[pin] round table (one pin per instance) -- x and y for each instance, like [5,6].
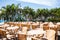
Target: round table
[33,33]
[12,29]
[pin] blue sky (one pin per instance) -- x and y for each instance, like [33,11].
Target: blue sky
[32,3]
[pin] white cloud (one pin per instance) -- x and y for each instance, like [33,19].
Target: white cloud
[43,2]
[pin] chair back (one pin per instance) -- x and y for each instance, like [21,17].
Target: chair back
[50,34]
[24,30]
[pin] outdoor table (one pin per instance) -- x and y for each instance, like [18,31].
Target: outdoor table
[34,33]
[58,23]
[12,29]
[1,26]
[5,26]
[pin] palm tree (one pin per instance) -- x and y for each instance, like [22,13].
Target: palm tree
[10,12]
[28,12]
